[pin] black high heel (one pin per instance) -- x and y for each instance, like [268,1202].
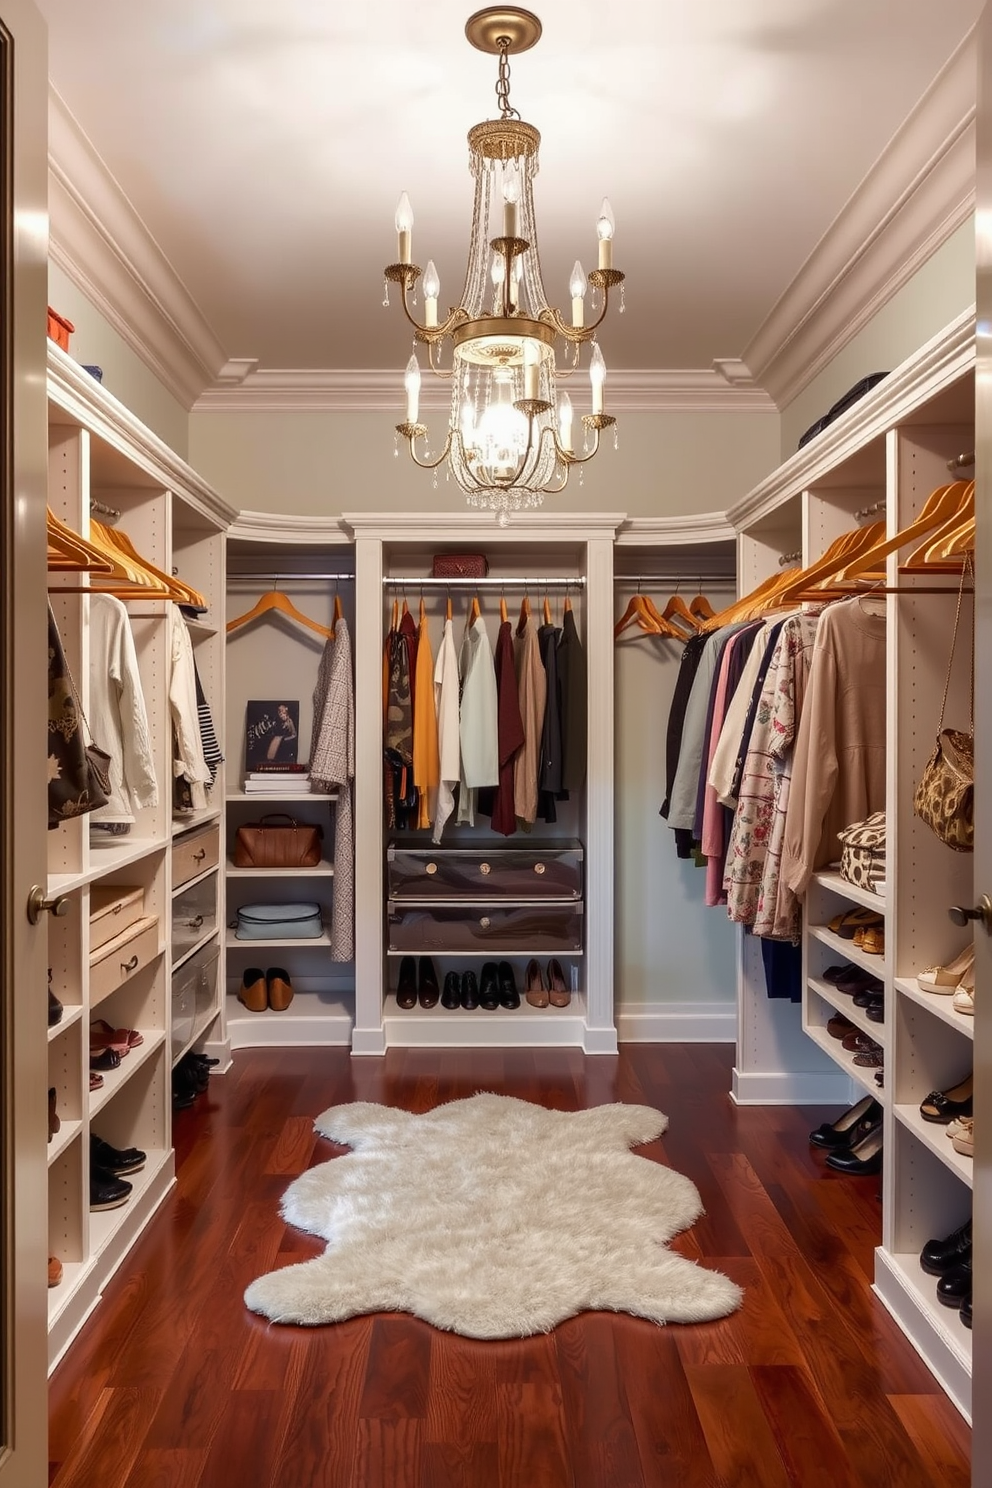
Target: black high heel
[843,1131]
[864,1157]
[406,989]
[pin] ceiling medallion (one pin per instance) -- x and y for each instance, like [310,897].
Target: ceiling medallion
[510,435]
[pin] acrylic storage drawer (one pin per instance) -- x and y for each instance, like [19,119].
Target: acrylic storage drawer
[194,996]
[539,871]
[121,957]
[113,909]
[194,915]
[194,854]
[484,929]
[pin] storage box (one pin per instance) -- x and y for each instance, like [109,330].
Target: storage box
[194,915]
[485,929]
[113,909]
[540,871]
[59,329]
[120,958]
[194,996]
[195,853]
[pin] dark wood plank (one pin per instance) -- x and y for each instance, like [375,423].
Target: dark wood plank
[173,1382]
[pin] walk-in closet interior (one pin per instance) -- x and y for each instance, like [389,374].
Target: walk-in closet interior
[359,766]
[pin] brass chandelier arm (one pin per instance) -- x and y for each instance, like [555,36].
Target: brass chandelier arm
[406,276]
[411,433]
[579,334]
[595,422]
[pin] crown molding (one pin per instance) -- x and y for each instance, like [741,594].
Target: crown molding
[457,527]
[280,527]
[705,527]
[101,244]
[374,390]
[88,403]
[918,192]
[942,361]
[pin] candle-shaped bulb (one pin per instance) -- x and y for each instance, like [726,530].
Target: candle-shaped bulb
[565,421]
[597,376]
[511,197]
[411,381]
[532,369]
[404,229]
[432,288]
[605,228]
[577,286]
[498,271]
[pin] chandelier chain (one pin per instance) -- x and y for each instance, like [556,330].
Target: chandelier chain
[506,109]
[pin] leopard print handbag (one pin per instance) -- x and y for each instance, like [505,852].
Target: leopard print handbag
[862,858]
[945,795]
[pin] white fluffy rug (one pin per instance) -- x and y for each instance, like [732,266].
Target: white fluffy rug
[494,1218]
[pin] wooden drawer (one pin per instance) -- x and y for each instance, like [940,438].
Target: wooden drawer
[113,909]
[194,854]
[485,929]
[121,957]
[540,871]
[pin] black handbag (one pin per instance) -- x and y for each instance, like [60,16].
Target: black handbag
[79,772]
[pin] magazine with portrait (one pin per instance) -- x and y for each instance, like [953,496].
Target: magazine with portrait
[271,734]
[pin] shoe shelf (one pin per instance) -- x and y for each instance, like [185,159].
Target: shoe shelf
[324,869]
[314,943]
[197,945]
[937,1331]
[66,1133]
[183,824]
[71,1014]
[74,1273]
[847,950]
[501,953]
[844,1060]
[106,1223]
[271,803]
[832,881]
[114,1080]
[938,1005]
[841,1003]
[201,1023]
[522,1027]
[321,1019]
[934,1136]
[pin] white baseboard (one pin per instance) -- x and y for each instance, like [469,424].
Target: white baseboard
[677,1022]
[794,1088]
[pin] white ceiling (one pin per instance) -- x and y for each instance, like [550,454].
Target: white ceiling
[264,147]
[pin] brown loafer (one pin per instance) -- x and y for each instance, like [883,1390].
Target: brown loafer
[280,989]
[253,992]
[54,1271]
[534,988]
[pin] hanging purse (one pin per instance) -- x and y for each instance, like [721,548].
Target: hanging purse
[78,772]
[945,796]
[277,841]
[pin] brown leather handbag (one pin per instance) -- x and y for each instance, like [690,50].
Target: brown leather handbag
[278,841]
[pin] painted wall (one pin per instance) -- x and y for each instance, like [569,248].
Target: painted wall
[95,343]
[324,463]
[937,293]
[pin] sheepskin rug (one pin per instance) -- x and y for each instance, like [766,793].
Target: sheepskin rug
[494,1218]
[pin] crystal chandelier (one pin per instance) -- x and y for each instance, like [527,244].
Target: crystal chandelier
[510,436]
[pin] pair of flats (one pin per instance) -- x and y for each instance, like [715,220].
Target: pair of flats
[265,989]
[866,927]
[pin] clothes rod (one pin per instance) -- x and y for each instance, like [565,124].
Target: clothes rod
[105,511]
[681,580]
[279,578]
[411,581]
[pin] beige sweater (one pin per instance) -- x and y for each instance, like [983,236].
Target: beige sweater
[838,772]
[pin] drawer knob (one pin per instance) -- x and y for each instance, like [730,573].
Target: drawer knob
[127,966]
[485,868]
[431,869]
[538,867]
[485,922]
[198,857]
[195,922]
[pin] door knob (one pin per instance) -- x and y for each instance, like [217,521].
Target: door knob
[38,902]
[982,911]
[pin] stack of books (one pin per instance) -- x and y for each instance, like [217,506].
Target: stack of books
[278,780]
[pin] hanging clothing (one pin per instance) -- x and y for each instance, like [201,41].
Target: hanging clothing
[682,801]
[688,666]
[408,631]
[509,732]
[532,688]
[838,773]
[446,687]
[117,711]
[549,769]
[208,736]
[478,718]
[425,743]
[332,767]
[398,759]
[732,744]
[189,764]
[574,704]
[729,666]
[69,784]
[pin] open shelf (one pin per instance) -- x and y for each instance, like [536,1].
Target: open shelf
[105,1223]
[319,1018]
[934,1135]
[939,1005]
[66,1133]
[324,869]
[282,796]
[313,943]
[843,1004]
[200,1025]
[937,1331]
[72,1012]
[847,950]
[116,1079]
[844,1061]
[183,824]
[106,859]
[829,878]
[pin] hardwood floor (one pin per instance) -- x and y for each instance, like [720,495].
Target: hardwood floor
[174,1384]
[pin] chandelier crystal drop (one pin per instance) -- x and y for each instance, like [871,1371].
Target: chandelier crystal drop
[510,437]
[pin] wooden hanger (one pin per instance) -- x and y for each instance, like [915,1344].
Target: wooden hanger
[637,611]
[568,601]
[423,610]
[447,608]
[116,575]
[114,537]
[701,608]
[396,615]
[822,575]
[547,610]
[935,551]
[677,609]
[474,611]
[338,612]
[69,553]
[524,615]
[502,609]
[274,599]
[939,507]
